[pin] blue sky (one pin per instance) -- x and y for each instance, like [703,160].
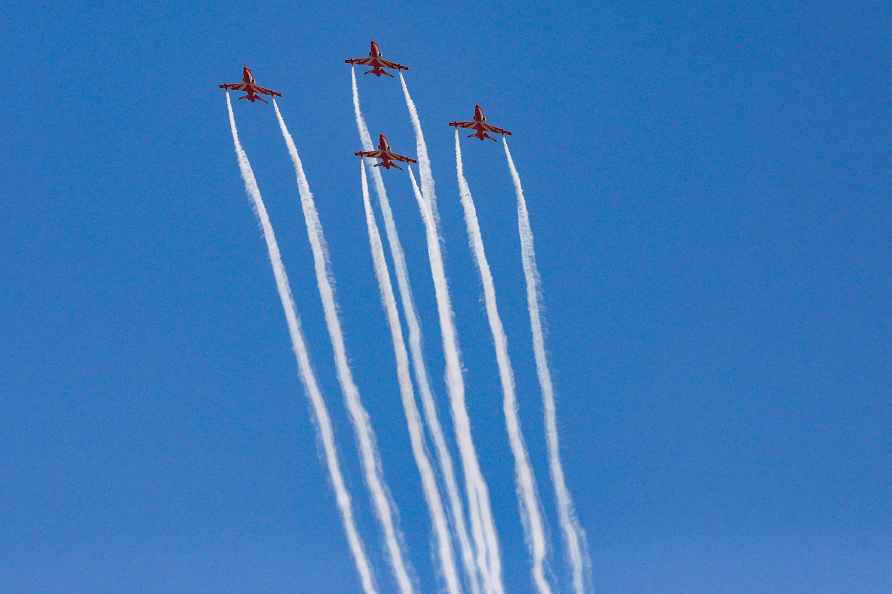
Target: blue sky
[709,188]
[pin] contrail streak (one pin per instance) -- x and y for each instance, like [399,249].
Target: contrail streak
[474,506]
[482,524]
[424,162]
[365,435]
[413,419]
[574,536]
[417,352]
[530,514]
[444,457]
[482,527]
[307,377]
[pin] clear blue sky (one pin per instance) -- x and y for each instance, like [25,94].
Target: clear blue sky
[710,189]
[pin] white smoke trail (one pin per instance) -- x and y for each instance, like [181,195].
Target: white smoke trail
[482,526]
[429,406]
[424,162]
[475,504]
[493,570]
[574,536]
[308,378]
[418,362]
[359,417]
[530,514]
[413,419]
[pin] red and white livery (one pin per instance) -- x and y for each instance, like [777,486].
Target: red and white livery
[480,126]
[385,156]
[377,62]
[249,86]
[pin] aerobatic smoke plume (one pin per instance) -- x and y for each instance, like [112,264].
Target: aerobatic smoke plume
[413,419]
[416,349]
[485,536]
[574,536]
[305,369]
[424,161]
[429,213]
[444,457]
[530,508]
[359,417]
[477,502]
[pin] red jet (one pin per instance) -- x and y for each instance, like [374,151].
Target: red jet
[249,86]
[480,126]
[386,156]
[377,62]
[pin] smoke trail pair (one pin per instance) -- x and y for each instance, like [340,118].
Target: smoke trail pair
[444,457]
[415,343]
[574,537]
[531,513]
[359,417]
[413,419]
[482,523]
[402,274]
[307,377]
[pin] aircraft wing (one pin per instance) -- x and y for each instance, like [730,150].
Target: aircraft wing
[462,124]
[234,86]
[373,154]
[496,129]
[394,65]
[403,158]
[359,60]
[269,92]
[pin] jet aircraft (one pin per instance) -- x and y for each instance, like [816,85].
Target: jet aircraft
[480,126]
[249,86]
[385,155]
[377,62]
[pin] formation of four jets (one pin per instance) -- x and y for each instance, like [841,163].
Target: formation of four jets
[386,158]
